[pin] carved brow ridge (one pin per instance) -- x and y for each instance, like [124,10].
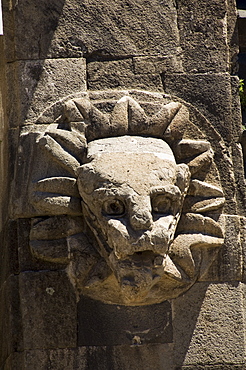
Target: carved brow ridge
[171,190]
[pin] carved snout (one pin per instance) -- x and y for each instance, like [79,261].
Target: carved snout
[140,214]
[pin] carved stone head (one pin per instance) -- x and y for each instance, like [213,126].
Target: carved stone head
[128,196]
[132,194]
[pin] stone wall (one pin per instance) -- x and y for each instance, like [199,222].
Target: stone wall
[53,51]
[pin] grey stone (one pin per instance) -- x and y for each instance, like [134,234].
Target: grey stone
[204,35]
[121,253]
[10,318]
[102,324]
[121,74]
[71,29]
[228,266]
[155,356]
[38,83]
[48,307]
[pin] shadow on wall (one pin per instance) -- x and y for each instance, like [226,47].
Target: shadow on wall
[186,310]
[29,29]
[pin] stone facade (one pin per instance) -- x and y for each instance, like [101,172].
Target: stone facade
[123,190]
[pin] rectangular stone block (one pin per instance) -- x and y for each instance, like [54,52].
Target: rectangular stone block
[203,35]
[121,74]
[209,325]
[209,93]
[101,324]
[10,320]
[71,29]
[94,358]
[35,84]
[48,306]
[9,253]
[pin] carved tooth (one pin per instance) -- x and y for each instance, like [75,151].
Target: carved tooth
[58,185]
[190,148]
[55,150]
[84,107]
[53,204]
[165,115]
[72,142]
[200,161]
[71,111]
[205,225]
[119,116]
[136,116]
[198,205]
[204,189]
[170,269]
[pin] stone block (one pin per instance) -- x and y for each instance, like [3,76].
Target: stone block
[102,324]
[228,266]
[209,326]
[14,362]
[48,306]
[26,260]
[203,35]
[10,320]
[155,356]
[71,29]
[35,84]
[211,94]
[121,74]
[158,64]
[213,367]
[9,254]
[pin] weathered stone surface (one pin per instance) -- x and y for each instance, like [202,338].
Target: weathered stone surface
[228,266]
[213,367]
[149,357]
[122,74]
[209,325]
[115,28]
[203,32]
[213,99]
[102,324]
[216,104]
[48,307]
[131,245]
[10,318]
[38,83]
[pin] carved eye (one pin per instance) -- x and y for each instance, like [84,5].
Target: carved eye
[113,207]
[162,204]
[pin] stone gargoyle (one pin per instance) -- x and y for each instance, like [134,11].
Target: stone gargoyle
[127,196]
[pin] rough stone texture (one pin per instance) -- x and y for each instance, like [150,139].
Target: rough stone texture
[102,324]
[39,83]
[228,266]
[209,325]
[71,29]
[122,74]
[203,32]
[147,228]
[214,100]
[10,319]
[48,309]
[184,47]
[94,358]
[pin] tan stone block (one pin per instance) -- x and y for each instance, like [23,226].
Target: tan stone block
[209,325]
